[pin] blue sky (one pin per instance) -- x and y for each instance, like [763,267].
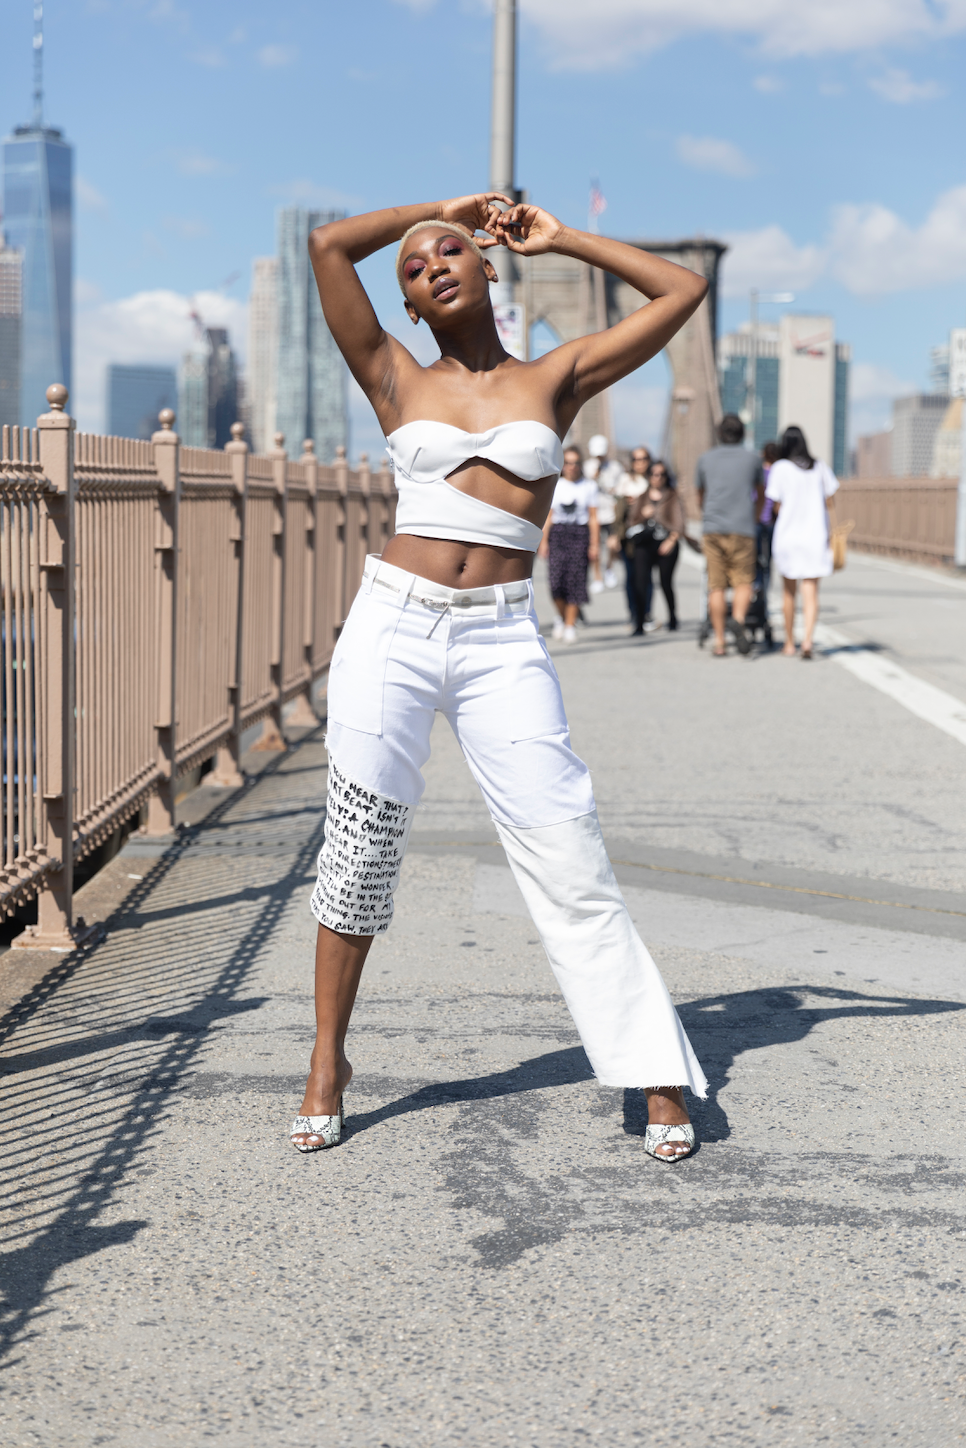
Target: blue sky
[823,142]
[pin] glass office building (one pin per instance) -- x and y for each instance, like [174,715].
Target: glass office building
[11,295]
[135,396]
[312,380]
[38,221]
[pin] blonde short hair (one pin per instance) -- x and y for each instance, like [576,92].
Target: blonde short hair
[453,226]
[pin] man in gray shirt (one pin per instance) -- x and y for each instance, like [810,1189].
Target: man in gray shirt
[731,486]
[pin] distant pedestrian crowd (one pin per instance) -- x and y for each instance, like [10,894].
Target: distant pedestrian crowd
[757,509]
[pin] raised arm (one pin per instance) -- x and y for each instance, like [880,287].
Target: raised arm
[591,364]
[335,250]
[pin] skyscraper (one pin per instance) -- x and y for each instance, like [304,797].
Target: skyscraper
[11,268]
[135,396]
[263,352]
[208,391]
[38,220]
[312,379]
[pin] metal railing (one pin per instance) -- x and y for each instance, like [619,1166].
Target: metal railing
[912,518]
[155,602]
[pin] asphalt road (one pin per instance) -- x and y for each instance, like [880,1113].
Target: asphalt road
[490,1258]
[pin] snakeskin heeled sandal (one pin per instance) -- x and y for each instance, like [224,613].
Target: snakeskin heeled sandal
[327,1128]
[656,1136]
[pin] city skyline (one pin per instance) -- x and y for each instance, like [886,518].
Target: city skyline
[825,161]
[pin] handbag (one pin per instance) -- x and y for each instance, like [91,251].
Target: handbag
[838,541]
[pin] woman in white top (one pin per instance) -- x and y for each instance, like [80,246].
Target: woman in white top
[444,623]
[801,489]
[571,539]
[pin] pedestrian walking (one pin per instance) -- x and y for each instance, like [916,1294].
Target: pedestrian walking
[602,566]
[801,489]
[444,622]
[571,540]
[730,485]
[630,485]
[655,527]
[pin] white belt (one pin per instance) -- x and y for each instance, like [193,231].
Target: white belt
[495,599]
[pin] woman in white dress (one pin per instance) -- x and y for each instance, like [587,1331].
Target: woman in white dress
[801,489]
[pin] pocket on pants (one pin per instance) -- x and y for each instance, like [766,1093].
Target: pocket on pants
[357,674]
[533,701]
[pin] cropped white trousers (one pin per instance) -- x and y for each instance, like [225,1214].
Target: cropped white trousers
[411,648]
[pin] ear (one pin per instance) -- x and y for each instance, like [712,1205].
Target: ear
[489,271]
[411,313]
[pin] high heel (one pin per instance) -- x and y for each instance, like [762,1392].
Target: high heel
[656,1136]
[328,1128]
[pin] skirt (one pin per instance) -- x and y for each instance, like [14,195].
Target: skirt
[568,561]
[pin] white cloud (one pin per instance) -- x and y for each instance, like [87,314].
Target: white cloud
[196,163]
[612,33]
[769,260]
[186,227]
[303,192]
[875,251]
[147,327]
[869,249]
[88,196]
[709,153]
[899,87]
[768,85]
[211,58]
[872,391]
[274,56]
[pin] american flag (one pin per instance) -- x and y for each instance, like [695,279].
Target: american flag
[598,205]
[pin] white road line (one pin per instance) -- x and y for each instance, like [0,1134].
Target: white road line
[922,699]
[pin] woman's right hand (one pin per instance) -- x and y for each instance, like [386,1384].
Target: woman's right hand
[476,213]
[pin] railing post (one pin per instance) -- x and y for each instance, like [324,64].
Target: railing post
[271,736]
[303,716]
[365,488]
[341,469]
[959,548]
[386,489]
[166,465]
[55,766]
[227,772]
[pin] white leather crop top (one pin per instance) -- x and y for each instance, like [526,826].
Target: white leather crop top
[425,453]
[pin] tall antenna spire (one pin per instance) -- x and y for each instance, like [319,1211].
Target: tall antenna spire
[38,64]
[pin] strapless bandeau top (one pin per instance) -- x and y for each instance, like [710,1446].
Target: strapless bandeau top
[424,454]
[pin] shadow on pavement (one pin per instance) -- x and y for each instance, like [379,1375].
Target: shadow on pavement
[217,969]
[721,1028]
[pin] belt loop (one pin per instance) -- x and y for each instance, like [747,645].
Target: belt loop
[405,589]
[500,601]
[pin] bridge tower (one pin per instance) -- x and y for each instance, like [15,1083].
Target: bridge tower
[574,299]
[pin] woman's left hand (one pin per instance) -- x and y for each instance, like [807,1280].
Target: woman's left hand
[668,546]
[593,553]
[526,229]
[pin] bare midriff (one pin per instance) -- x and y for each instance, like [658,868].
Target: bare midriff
[457,564]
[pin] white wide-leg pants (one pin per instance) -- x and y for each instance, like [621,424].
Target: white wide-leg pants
[411,648]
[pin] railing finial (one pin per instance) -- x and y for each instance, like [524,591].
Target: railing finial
[308,447]
[280,439]
[238,431]
[340,453]
[166,419]
[57,396]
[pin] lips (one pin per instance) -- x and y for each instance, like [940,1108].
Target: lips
[446,287]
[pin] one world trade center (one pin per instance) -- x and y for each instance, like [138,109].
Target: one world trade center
[38,223]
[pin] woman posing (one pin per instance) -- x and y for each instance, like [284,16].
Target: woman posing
[801,490]
[445,621]
[655,525]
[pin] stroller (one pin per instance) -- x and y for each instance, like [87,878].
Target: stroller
[757,622]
